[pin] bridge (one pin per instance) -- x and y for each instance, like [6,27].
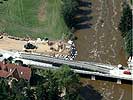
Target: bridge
[86,68]
[90,66]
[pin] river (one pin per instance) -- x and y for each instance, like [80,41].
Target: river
[99,40]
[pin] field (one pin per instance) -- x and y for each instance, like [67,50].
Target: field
[33,18]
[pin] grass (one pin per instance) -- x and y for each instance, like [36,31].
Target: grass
[20,18]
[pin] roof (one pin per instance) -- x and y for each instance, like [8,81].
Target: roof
[24,72]
[4,73]
[8,69]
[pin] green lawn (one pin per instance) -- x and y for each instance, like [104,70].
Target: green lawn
[34,18]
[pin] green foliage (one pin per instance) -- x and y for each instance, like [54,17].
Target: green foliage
[53,84]
[66,77]
[69,9]
[18,90]
[14,93]
[57,81]
[3,89]
[48,89]
[131,1]
[129,42]
[126,20]
[125,26]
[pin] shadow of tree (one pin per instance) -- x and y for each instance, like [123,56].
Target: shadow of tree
[88,93]
[83,26]
[85,4]
[83,12]
[82,17]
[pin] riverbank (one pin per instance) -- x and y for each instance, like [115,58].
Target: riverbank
[99,39]
[104,90]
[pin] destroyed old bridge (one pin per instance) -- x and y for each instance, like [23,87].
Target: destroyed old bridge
[81,67]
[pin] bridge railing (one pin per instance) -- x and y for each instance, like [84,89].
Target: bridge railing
[75,64]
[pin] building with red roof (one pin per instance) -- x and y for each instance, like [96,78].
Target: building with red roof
[16,71]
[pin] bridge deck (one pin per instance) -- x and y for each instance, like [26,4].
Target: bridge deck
[75,64]
[82,67]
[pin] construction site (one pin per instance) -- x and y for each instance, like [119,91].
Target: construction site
[59,49]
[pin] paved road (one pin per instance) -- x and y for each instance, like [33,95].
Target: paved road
[81,67]
[74,64]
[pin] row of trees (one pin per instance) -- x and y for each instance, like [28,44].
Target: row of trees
[61,84]
[69,9]
[125,26]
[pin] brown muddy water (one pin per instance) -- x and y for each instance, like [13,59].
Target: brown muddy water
[99,40]
[104,90]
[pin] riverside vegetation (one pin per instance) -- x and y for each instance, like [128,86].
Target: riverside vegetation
[125,26]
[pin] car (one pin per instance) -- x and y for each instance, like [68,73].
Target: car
[127,72]
[30,46]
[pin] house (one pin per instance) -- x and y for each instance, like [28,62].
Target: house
[16,71]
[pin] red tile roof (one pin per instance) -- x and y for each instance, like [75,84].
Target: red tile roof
[24,72]
[4,73]
[8,69]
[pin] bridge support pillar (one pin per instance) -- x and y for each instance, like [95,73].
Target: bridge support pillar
[93,77]
[118,81]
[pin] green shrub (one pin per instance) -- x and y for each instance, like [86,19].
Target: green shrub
[126,20]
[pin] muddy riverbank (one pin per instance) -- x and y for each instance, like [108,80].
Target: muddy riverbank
[98,37]
[99,40]
[104,90]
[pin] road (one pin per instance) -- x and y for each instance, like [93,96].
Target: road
[82,67]
[91,66]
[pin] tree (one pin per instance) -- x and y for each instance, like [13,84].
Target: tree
[68,81]
[53,83]
[69,9]
[21,90]
[131,1]
[4,89]
[129,42]
[58,82]
[125,24]
[30,93]
[49,89]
